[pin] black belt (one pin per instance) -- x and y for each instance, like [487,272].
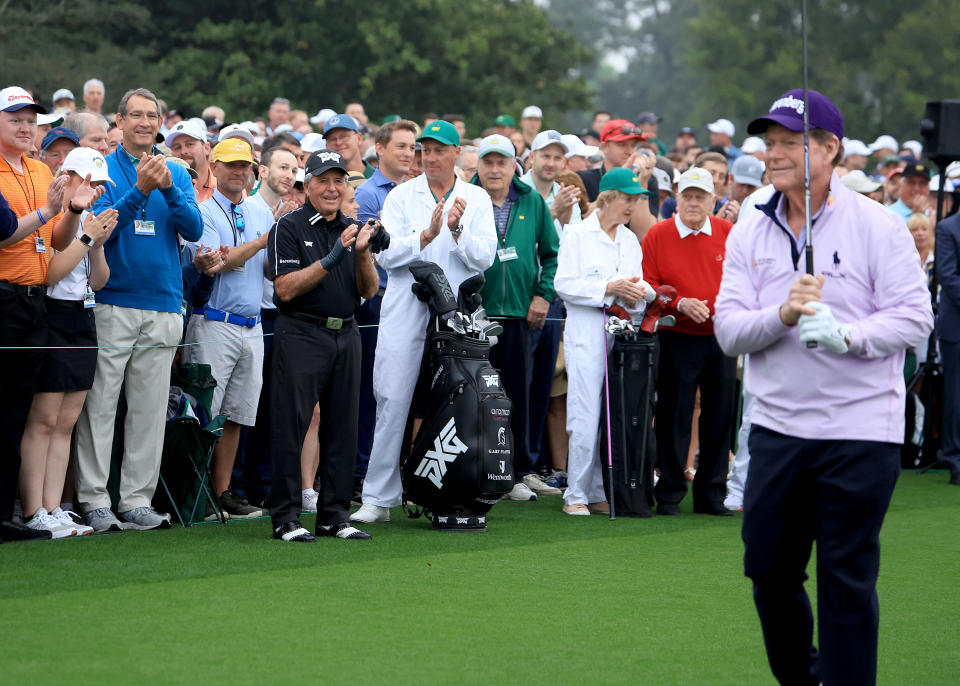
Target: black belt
[32,291]
[333,323]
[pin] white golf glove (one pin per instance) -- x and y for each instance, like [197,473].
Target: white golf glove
[651,294]
[823,328]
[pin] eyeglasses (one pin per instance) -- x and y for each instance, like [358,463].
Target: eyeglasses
[631,131]
[238,216]
[150,116]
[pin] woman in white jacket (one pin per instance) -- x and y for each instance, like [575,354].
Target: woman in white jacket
[599,264]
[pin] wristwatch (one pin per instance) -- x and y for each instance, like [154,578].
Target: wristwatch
[73,209]
[456,232]
[86,239]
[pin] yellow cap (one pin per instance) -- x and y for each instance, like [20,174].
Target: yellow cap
[233,150]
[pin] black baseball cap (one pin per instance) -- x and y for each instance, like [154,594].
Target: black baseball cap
[323,161]
[916,169]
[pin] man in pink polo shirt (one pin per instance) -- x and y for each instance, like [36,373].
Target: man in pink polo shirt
[827,421]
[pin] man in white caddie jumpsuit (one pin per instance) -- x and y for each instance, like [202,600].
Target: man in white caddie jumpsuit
[438,218]
[595,270]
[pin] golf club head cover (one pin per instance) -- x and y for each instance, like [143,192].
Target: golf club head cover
[430,276]
[469,299]
[666,294]
[618,312]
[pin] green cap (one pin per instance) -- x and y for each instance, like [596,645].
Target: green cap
[391,117]
[623,180]
[441,131]
[505,120]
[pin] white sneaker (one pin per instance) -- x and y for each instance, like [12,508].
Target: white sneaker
[536,484]
[309,499]
[63,516]
[520,491]
[370,513]
[44,521]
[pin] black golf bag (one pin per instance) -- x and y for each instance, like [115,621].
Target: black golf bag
[461,463]
[630,364]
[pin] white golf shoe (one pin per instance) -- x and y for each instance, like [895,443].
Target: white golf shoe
[369,513]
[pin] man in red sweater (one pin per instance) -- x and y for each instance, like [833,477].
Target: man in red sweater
[686,252]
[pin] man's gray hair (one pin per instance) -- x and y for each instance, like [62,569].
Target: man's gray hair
[81,123]
[143,93]
[464,149]
[93,82]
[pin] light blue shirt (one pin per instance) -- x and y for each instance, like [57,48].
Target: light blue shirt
[900,209]
[575,211]
[240,290]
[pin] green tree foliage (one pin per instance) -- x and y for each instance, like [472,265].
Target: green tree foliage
[478,58]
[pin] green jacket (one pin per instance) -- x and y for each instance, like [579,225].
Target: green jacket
[511,285]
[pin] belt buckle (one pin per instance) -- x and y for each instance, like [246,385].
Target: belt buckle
[334,323]
[33,291]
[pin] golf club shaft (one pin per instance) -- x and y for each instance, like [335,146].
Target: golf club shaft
[606,394]
[808,225]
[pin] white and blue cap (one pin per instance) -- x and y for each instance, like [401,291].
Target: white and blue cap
[498,144]
[549,137]
[14,99]
[340,121]
[747,170]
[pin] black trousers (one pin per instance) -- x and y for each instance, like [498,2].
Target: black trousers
[686,362]
[835,493]
[950,432]
[313,364]
[512,356]
[24,324]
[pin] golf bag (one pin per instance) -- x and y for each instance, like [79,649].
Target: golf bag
[461,463]
[630,363]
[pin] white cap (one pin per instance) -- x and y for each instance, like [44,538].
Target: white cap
[577,148]
[752,145]
[236,131]
[498,144]
[696,177]
[63,94]
[52,119]
[312,142]
[859,182]
[948,185]
[722,126]
[14,98]
[532,111]
[885,142]
[663,180]
[251,126]
[549,137]
[953,170]
[283,128]
[855,147]
[371,154]
[747,170]
[916,147]
[676,176]
[85,161]
[189,127]
[301,176]
[322,116]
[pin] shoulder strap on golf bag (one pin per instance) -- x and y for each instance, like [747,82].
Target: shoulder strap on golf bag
[461,462]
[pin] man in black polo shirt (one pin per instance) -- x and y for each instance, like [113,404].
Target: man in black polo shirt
[321,265]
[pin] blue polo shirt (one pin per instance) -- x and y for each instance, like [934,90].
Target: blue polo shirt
[239,290]
[371,195]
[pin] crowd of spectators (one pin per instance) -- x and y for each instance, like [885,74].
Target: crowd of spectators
[127,235]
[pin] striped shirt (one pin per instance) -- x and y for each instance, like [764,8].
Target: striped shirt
[26,192]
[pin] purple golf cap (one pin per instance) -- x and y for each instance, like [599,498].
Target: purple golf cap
[787,110]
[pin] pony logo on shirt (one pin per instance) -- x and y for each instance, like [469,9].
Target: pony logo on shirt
[835,267]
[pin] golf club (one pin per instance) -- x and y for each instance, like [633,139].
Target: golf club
[606,393]
[808,226]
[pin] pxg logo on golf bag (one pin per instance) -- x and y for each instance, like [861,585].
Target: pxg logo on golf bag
[491,380]
[446,448]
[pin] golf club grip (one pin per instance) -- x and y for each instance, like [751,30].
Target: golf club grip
[811,344]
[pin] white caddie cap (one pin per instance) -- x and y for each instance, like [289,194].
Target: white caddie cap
[722,126]
[753,144]
[312,142]
[496,144]
[549,137]
[884,142]
[696,177]
[195,128]
[236,131]
[577,148]
[85,161]
[322,116]
[916,147]
[531,112]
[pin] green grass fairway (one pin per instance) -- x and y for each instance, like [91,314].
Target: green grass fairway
[540,598]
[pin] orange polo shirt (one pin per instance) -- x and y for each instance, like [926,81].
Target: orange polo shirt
[205,189]
[26,192]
